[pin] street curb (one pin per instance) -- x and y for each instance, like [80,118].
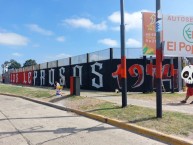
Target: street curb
[173,140]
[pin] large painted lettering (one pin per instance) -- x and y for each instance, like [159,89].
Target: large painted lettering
[35,77]
[24,78]
[102,75]
[137,70]
[62,80]
[42,77]
[51,77]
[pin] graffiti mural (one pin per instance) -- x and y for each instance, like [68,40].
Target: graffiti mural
[101,75]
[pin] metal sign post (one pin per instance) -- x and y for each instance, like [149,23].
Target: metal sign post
[172,74]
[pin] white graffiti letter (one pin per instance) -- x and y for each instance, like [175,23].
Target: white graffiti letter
[17,78]
[13,78]
[62,77]
[35,76]
[100,65]
[24,80]
[29,77]
[51,77]
[42,77]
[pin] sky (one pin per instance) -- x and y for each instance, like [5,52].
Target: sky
[46,30]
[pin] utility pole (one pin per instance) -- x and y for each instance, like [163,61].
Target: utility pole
[159,56]
[172,74]
[123,58]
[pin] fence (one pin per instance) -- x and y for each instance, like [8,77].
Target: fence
[97,71]
[110,53]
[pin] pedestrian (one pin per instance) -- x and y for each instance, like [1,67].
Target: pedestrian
[189,93]
[58,88]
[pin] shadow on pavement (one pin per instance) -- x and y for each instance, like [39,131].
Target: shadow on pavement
[65,131]
[104,109]
[176,104]
[57,99]
[47,117]
[142,119]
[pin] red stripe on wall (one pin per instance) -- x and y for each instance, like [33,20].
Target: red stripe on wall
[124,68]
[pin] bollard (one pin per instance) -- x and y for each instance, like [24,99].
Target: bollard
[75,86]
[71,85]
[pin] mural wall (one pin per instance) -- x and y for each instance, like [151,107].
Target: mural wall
[99,75]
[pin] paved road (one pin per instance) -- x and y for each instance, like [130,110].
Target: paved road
[26,123]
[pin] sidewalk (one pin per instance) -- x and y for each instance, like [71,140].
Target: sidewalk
[116,98]
[133,99]
[24,122]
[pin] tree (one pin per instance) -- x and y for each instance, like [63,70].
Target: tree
[29,62]
[14,64]
[6,63]
[5,66]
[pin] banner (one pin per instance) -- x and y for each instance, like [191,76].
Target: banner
[149,34]
[178,35]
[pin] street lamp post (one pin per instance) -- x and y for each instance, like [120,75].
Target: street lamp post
[159,56]
[123,58]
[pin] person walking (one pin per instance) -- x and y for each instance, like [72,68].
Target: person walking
[189,93]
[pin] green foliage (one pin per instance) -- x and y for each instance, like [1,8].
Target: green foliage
[172,122]
[5,64]
[26,91]
[29,62]
[14,64]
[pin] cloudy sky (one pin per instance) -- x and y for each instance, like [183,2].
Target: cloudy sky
[47,30]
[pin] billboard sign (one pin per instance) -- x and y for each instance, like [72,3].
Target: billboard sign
[178,35]
[149,33]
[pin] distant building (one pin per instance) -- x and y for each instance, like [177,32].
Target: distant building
[5,67]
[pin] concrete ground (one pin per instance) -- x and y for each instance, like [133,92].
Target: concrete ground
[26,123]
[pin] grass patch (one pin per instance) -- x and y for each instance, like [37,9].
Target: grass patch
[171,123]
[152,96]
[26,91]
[166,96]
